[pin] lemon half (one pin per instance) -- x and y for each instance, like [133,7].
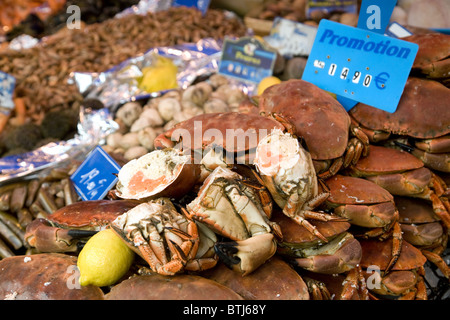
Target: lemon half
[267,82]
[104,259]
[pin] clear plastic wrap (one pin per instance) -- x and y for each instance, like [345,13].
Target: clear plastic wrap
[120,84]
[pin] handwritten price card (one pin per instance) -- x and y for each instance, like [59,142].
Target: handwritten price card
[96,175]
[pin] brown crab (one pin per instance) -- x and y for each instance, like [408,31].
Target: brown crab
[160,173]
[44,276]
[287,171]
[178,287]
[421,118]
[366,205]
[402,174]
[233,210]
[433,58]
[423,229]
[66,229]
[341,253]
[274,280]
[404,281]
[319,120]
[236,133]
[344,286]
[167,240]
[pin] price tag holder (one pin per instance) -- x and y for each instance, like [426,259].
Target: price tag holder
[246,59]
[202,5]
[96,175]
[7,85]
[360,65]
[291,38]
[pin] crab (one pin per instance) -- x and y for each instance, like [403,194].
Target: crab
[426,133]
[320,121]
[402,174]
[344,286]
[67,229]
[339,254]
[366,205]
[404,281]
[178,287]
[160,173]
[287,171]
[233,210]
[43,276]
[433,57]
[167,240]
[274,280]
[423,229]
[237,134]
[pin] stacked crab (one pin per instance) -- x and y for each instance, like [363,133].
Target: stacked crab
[289,185]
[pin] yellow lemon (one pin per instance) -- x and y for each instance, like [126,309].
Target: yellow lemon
[267,82]
[104,259]
[162,75]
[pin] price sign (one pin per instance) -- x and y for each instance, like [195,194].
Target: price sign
[360,65]
[7,85]
[202,5]
[96,175]
[291,38]
[246,59]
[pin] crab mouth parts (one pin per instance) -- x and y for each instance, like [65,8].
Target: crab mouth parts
[150,173]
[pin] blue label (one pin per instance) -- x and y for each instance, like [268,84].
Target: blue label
[202,5]
[96,175]
[360,65]
[246,59]
[374,15]
[7,85]
[396,30]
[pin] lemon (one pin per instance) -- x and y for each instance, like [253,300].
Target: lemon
[267,82]
[104,259]
[161,75]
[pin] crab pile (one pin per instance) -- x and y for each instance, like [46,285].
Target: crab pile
[290,195]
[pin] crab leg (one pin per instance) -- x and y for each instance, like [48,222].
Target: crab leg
[353,282]
[438,261]
[317,289]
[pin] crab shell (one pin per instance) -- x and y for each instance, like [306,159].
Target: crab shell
[45,276]
[179,287]
[350,196]
[232,131]
[432,59]
[384,160]
[318,118]
[91,214]
[274,280]
[340,254]
[422,111]
[179,176]
[420,226]
[402,276]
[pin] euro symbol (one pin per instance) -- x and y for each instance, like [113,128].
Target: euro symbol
[380,80]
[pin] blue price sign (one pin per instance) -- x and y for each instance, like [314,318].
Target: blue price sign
[360,65]
[246,59]
[96,175]
[202,5]
[7,85]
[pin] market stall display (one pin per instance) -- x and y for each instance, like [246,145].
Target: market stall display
[224,191]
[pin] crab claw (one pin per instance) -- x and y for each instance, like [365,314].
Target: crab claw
[45,237]
[247,255]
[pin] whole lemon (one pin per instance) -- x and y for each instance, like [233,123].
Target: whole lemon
[267,82]
[104,259]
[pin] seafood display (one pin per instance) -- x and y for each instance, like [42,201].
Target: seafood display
[223,194]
